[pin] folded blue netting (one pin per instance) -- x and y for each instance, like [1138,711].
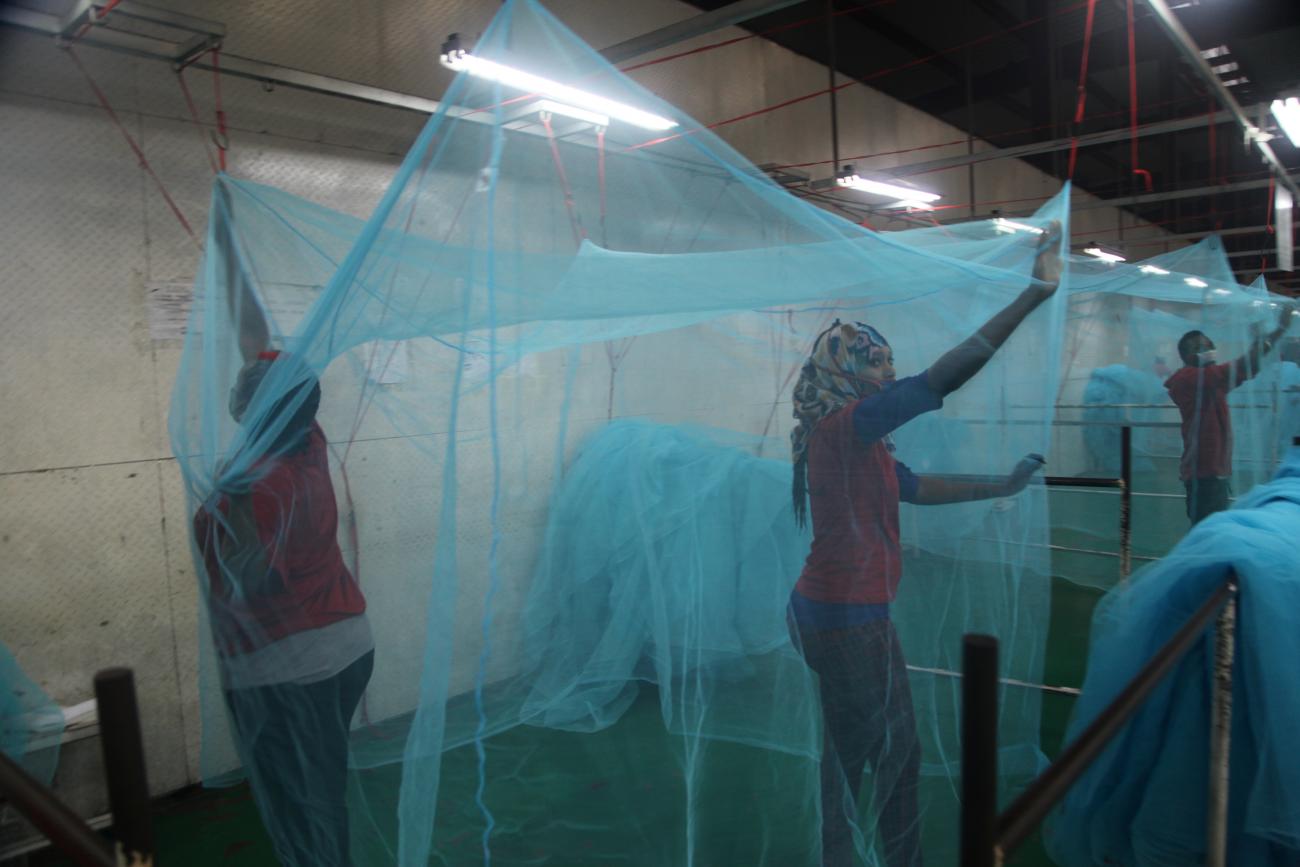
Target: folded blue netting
[1143,802]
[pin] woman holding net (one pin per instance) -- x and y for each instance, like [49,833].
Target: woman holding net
[294,646]
[848,401]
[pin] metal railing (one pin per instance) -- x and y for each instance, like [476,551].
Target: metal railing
[128,787]
[988,837]
[1125,485]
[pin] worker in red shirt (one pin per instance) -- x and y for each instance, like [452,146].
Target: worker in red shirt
[847,402]
[1200,391]
[294,646]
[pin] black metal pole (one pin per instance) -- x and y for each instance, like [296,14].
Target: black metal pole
[123,747]
[1025,813]
[1125,501]
[51,817]
[979,750]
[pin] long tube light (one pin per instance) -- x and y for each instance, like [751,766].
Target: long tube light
[1152,269]
[907,196]
[1287,112]
[550,106]
[1103,254]
[459,60]
[1196,282]
[1010,227]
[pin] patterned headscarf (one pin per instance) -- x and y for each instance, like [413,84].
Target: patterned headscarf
[828,382]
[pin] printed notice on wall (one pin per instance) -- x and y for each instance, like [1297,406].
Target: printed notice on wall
[169,309]
[169,303]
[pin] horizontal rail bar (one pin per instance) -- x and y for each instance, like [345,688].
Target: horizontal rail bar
[52,817]
[1025,813]
[1081,482]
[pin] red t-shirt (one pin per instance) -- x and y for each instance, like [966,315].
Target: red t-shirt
[854,491]
[1201,395]
[296,517]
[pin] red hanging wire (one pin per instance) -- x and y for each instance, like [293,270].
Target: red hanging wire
[1133,101]
[600,174]
[579,234]
[194,116]
[1082,101]
[135,148]
[223,140]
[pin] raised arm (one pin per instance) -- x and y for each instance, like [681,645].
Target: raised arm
[955,367]
[245,310]
[1248,365]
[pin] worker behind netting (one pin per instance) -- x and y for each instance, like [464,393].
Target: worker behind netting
[847,402]
[1200,391]
[294,646]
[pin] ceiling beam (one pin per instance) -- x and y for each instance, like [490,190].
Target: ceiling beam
[1192,54]
[1170,195]
[1060,144]
[696,25]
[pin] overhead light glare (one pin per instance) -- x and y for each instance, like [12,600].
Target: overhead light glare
[1216,51]
[459,60]
[853,181]
[1222,68]
[1152,269]
[1287,113]
[1103,254]
[550,106]
[1197,282]
[1235,82]
[1010,227]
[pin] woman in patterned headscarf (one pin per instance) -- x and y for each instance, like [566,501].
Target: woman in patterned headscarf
[847,402]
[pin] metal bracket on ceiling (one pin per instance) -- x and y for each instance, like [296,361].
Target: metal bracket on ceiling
[192,35]
[784,176]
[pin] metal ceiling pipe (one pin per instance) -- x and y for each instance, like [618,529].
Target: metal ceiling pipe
[1060,144]
[1192,54]
[696,25]
[1170,195]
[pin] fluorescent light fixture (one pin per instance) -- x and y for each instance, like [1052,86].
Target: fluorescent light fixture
[1231,66]
[550,106]
[907,196]
[1287,112]
[1152,269]
[1103,254]
[1226,292]
[1194,281]
[1282,199]
[911,204]
[1010,227]
[1216,51]
[1234,82]
[460,60]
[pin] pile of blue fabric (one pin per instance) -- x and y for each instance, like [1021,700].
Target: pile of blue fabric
[1143,802]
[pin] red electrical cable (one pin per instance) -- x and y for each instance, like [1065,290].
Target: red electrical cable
[919,61]
[579,233]
[194,116]
[130,140]
[1133,100]
[600,174]
[1081,102]
[223,140]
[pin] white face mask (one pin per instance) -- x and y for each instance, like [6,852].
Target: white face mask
[1209,356]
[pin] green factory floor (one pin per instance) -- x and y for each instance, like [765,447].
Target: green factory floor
[211,827]
[218,827]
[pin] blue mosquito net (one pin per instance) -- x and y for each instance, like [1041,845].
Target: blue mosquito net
[493,491]
[31,723]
